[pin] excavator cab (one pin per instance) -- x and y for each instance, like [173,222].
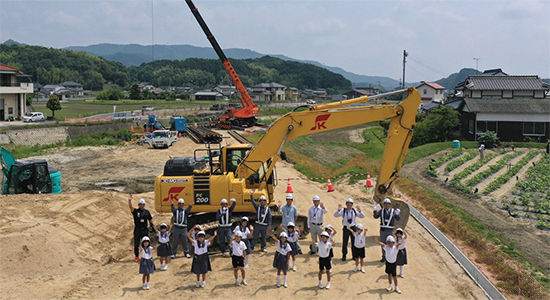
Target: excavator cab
[32,177]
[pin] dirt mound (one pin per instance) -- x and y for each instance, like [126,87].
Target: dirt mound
[78,244]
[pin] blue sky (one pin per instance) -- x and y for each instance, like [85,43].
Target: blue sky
[364,37]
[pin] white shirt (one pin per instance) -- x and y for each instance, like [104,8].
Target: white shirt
[402,246]
[315,215]
[349,214]
[324,248]
[203,249]
[147,252]
[245,233]
[238,248]
[292,237]
[283,249]
[391,253]
[359,240]
[164,238]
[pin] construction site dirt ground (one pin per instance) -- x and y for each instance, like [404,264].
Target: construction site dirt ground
[78,244]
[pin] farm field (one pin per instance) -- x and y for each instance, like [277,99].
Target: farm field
[516,181]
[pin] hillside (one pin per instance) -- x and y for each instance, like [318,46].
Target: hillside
[49,65]
[456,78]
[135,55]
[200,72]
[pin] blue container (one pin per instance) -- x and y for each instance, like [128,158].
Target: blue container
[178,124]
[456,144]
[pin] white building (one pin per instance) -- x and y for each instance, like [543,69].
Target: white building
[13,92]
[431,92]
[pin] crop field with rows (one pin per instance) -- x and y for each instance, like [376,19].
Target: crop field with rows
[517,180]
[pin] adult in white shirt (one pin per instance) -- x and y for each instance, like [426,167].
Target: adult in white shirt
[348,214]
[315,221]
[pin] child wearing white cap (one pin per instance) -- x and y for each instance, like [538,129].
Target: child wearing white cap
[325,264]
[146,264]
[358,251]
[293,234]
[238,256]
[164,250]
[282,256]
[390,248]
[401,238]
[246,232]
[201,261]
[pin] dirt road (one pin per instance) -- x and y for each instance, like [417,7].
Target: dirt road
[77,244]
[522,233]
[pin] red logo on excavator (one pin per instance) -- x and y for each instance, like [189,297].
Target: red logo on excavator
[320,122]
[173,193]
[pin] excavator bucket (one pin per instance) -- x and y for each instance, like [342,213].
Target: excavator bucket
[404,214]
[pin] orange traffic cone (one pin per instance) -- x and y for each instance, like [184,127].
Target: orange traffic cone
[132,129]
[330,187]
[369,181]
[289,187]
[179,135]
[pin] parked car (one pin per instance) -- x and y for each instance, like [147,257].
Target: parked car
[147,108]
[34,117]
[310,101]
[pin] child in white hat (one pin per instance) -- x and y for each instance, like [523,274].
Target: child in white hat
[358,251]
[390,248]
[146,264]
[201,261]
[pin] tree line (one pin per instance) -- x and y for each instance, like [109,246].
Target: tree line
[51,66]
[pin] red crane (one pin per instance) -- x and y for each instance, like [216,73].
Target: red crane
[232,117]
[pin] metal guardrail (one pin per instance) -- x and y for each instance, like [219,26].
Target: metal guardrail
[488,288]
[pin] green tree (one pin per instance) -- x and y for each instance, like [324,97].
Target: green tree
[53,104]
[436,127]
[489,139]
[28,97]
[135,92]
[110,94]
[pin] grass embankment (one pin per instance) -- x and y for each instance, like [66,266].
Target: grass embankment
[96,139]
[489,249]
[81,109]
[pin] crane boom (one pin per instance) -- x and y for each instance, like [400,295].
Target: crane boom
[246,101]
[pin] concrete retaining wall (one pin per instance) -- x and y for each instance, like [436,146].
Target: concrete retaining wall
[40,136]
[53,135]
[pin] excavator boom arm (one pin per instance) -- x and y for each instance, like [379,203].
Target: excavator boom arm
[261,159]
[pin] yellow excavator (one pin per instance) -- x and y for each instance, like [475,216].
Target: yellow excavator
[239,170]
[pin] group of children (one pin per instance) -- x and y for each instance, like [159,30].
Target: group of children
[287,249]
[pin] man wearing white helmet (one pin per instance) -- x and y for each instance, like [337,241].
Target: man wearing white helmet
[179,232]
[141,216]
[348,214]
[263,221]
[315,221]
[223,216]
[387,216]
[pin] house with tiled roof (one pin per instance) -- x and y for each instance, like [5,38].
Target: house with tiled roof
[14,87]
[430,92]
[268,92]
[517,108]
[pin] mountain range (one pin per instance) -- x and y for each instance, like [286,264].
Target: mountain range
[135,55]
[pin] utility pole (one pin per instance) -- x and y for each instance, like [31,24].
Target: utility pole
[152,31]
[405,54]
[477,62]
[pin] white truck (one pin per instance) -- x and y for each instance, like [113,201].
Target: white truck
[160,139]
